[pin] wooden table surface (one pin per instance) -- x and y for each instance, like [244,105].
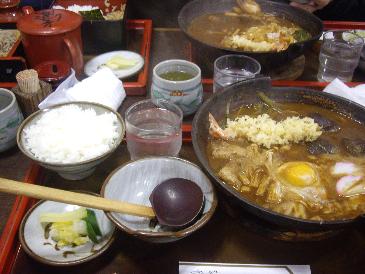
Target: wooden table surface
[223,239]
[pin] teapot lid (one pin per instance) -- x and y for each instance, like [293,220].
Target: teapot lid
[48,22]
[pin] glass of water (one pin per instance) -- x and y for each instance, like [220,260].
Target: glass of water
[339,56]
[233,68]
[153,128]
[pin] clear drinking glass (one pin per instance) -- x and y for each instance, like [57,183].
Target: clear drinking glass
[153,128]
[230,69]
[339,56]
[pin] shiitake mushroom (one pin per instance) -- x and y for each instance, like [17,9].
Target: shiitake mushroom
[321,146]
[355,147]
[325,123]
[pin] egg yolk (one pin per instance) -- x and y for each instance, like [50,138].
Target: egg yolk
[298,173]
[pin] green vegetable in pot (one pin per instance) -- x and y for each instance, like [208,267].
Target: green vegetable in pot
[301,35]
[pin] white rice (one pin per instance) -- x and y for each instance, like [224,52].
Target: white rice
[76,8]
[69,134]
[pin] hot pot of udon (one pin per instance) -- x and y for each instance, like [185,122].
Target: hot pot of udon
[294,157]
[276,36]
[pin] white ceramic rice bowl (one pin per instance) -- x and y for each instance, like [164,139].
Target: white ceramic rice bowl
[71,171]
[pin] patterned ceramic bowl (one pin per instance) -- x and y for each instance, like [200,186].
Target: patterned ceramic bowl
[134,182]
[187,94]
[10,119]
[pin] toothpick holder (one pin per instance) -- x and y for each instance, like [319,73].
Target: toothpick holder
[29,102]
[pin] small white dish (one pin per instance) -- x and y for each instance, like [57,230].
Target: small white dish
[94,64]
[32,238]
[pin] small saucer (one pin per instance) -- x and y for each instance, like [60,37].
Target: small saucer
[31,235]
[94,64]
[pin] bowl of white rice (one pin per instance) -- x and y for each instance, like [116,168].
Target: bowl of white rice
[71,138]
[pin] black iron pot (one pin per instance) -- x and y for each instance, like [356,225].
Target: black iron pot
[302,18]
[245,93]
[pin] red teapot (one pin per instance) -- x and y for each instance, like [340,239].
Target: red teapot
[51,35]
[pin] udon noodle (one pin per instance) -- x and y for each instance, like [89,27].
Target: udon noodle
[320,179]
[247,32]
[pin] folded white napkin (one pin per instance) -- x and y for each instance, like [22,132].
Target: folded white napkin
[102,87]
[356,94]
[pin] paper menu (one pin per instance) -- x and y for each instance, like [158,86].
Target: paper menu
[217,268]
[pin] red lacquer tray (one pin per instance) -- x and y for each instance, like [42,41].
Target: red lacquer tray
[9,244]
[139,87]
[132,87]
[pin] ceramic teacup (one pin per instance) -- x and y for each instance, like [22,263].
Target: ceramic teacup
[187,94]
[10,119]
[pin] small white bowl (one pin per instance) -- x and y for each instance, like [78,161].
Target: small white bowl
[78,170]
[134,182]
[31,235]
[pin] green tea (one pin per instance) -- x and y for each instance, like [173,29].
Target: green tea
[176,76]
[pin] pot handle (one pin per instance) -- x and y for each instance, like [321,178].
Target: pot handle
[27,10]
[76,55]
